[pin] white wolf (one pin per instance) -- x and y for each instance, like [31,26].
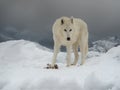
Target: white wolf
[72,33]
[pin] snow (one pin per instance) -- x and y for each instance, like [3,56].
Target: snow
[22,68]
[105,44]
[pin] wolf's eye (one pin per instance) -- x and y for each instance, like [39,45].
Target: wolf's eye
[70,30]
[65,30]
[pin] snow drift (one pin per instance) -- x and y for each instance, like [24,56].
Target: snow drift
[22,68]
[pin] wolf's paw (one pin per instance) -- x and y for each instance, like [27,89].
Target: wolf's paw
[82,64]
[68,65]
[73,64]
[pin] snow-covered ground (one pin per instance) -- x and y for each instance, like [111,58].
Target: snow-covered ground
[22,68]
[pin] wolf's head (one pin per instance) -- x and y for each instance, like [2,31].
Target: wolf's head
[67,28]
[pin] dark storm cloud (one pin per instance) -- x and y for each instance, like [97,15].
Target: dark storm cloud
[33,19]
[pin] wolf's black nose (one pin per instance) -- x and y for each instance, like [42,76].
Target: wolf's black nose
[68,38]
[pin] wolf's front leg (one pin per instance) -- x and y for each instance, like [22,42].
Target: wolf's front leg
[68,56]
[56,50]
[84,51]
[75,50]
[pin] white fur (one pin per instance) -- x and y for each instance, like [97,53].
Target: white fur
[78,37]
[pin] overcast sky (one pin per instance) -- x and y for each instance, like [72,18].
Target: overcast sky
[33,19]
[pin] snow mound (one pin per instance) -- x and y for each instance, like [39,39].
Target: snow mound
[20,50]
[22,68]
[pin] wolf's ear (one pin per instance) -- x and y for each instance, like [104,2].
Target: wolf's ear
[72,19]
[62,21]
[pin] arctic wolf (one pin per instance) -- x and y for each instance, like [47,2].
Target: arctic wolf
[72,33]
